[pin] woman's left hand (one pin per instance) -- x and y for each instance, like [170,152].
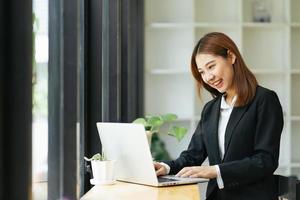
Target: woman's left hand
[209,172]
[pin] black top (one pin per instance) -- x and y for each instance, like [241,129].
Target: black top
[252,141]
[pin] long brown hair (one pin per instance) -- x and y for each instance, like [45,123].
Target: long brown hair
[219,44]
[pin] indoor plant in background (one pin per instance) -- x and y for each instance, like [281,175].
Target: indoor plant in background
[153,125]
[103,170]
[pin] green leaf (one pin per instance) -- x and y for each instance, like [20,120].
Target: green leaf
[178,132]
[169,117]
[140,121]
[155,122]
[97,157]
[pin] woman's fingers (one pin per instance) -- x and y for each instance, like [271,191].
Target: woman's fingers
[196,175]
[181,172]
[187,174]
[159,169]
[188,171]
[198,172]
[157,165]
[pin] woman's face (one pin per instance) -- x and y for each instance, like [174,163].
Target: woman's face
[217,71]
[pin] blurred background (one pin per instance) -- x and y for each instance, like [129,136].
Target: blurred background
[267,33]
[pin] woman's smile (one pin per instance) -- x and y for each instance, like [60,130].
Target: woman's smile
[218,84]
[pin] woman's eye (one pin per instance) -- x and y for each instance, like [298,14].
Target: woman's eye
[211,66]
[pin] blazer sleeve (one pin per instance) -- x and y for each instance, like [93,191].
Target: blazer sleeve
[266,146]
[194,155]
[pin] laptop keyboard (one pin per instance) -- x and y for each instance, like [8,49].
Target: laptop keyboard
[162,180]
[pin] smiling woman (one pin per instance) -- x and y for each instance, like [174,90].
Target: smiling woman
[239,130]
[220,49]
[217,72]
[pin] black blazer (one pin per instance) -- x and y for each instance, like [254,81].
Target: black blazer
[252,140]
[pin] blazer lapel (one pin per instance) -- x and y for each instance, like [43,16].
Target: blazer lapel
[212,125]
[236,114]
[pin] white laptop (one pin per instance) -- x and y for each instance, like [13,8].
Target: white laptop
[127,143]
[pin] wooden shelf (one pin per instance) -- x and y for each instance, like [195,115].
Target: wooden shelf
[295,118]
[295,71]
[295,164]
[271,48]
[162,71]
[295,25]
[187,71]
[187,119]
[162,25]
[274,70]
[264,25]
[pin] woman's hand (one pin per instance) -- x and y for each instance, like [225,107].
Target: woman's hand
[209,172]
[159,169]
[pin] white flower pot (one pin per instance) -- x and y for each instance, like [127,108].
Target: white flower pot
[103,171]
[149,137]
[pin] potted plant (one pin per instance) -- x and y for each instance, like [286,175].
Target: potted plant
[103,170]
[153,124]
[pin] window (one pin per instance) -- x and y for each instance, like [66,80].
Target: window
[40,100]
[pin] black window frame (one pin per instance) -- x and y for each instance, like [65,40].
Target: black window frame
[76,79]
[112,86]
[16,99]
[63,66]
[95,74]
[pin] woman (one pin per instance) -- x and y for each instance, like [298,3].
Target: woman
[239,130]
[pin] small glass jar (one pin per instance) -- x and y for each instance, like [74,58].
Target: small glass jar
[261,11]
